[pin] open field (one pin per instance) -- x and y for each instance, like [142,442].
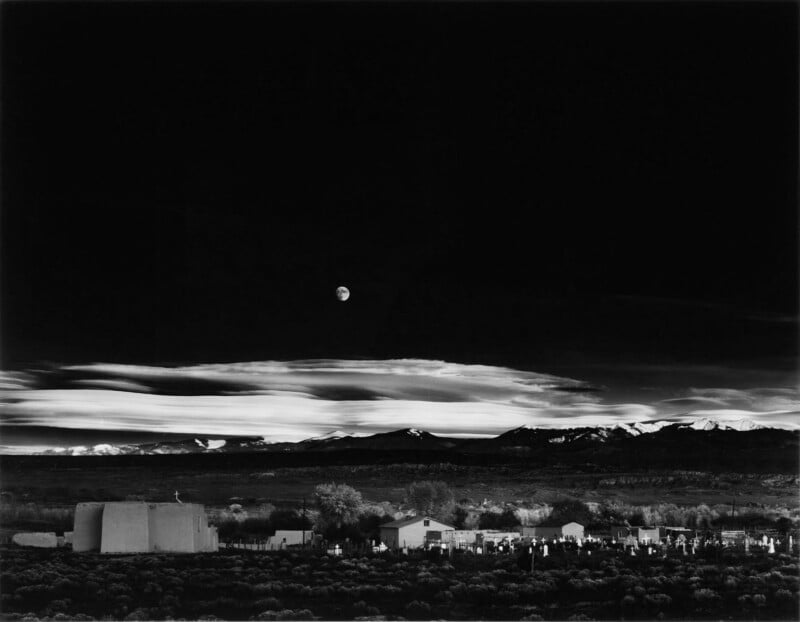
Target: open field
[289,585]
[68,484]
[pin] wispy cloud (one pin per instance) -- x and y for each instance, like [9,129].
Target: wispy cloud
[290,401]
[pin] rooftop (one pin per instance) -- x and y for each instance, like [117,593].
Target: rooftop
[411,520]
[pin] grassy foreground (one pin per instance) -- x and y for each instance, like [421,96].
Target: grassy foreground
[287,585]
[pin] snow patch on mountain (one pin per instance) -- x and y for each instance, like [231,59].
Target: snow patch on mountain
[211,443]
[706,424]
[642,427]
[336,434]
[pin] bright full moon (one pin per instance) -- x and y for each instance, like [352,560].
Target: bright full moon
[342,293]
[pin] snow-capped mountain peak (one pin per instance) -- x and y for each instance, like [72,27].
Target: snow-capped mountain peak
[642,427]
[739,425]
[211,443]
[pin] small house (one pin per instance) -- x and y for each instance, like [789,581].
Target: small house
[413,532]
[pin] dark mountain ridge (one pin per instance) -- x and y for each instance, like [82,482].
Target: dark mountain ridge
[671,446]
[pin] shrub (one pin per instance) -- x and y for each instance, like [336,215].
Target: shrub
[418,609]
[286,614]
[266,604]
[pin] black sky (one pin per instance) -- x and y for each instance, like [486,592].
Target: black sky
[518,183]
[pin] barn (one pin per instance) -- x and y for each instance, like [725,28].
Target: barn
[413,532]
[139,527]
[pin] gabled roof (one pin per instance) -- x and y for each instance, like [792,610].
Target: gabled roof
[410,521]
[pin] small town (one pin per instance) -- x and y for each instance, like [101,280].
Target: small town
[140,527]
[137,560]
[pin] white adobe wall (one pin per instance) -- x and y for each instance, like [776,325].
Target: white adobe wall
[572,530]
[42,539]
[139,527]
[174,527]
[125,528]
[88,527]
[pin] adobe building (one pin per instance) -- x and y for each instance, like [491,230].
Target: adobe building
[413,532]
[140,527]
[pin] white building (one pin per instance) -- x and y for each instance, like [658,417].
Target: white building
[139,527]
[413,532]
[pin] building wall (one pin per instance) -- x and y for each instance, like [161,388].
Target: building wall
[126,528]
[572,530]
[465,536]
[389,537]
[294,537]
[489,535]
[412,535]
[542,532]
[174,527]
[88,527]
[138,527]
[620,532]
[648,535]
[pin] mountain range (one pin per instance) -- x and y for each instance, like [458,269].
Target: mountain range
[522,439]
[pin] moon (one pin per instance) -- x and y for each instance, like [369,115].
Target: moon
[342,293]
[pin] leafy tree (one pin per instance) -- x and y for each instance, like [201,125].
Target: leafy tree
[338,504]
[288,519]
[507,520]
[430,498]
[370,525]
[569,510]
[459,516]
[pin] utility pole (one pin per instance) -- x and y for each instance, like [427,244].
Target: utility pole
[304,523]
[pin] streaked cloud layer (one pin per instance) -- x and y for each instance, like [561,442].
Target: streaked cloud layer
[290,401]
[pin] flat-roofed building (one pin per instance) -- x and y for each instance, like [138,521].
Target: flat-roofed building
[140,527]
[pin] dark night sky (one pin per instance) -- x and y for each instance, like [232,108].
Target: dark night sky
[520,183]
